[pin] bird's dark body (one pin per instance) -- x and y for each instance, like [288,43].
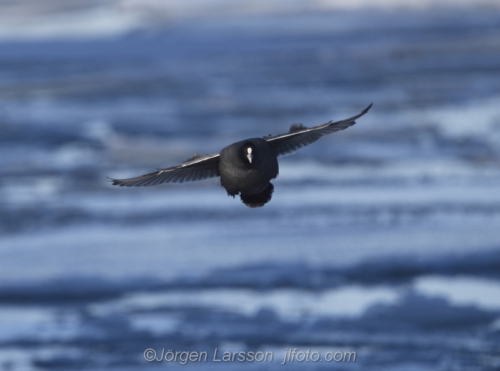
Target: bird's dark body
[238,176]
[246,167]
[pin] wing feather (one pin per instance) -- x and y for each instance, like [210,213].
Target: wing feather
[300,136]
[197,168]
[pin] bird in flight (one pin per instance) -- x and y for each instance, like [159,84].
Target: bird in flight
[246,168]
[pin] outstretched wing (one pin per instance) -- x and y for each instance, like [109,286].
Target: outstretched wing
[300,136]
[197,168]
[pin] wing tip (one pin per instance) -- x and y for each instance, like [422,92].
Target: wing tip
[367,109]
[139,181]
[352,119]
[115,182]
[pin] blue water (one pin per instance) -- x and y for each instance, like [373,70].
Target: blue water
[381,239]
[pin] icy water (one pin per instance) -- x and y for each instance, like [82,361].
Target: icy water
[381,240]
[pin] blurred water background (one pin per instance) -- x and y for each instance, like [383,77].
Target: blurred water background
[382,239]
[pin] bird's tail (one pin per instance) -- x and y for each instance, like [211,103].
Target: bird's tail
[259,199]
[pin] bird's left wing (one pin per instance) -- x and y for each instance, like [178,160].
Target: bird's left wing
[300,136]
[197,168]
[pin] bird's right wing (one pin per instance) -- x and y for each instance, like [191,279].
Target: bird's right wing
[197,168]
[300,136]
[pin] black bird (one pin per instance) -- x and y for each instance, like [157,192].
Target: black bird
[245,168]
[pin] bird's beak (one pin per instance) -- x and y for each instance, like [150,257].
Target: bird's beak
[250,157]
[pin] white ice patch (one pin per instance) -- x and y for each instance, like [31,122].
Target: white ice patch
[18,323]
[155,323]
[287,303]
[479,118]
[41,189]
[480,292]
[396,4]
[38,20]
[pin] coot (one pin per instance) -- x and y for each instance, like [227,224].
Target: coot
[246,167]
